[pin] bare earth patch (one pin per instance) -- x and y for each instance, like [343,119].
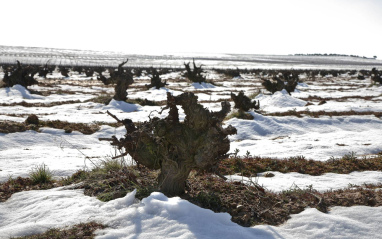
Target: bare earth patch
[248,204]
[250,166]
[79,231]
[13,127]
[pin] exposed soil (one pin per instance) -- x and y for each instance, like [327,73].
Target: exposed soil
[79,231]
[252,205]
[317,114]
[25,104]
[21,184]
[13,127]
[247,204]
[339,99]
[250,166]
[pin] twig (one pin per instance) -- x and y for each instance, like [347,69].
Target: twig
[115,117]
[86,157]
[121,155]
[221,176]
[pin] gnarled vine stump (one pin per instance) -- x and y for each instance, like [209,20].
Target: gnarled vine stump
[200,142]
[286,80]
[244,103]
[21,75]
[195,74]
[156,81]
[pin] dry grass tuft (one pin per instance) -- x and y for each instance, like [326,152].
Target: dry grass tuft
[13,127]
[79,231]
[250,166]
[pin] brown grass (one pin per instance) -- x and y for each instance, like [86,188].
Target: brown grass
[251,205]
[317,114]
[79,231]
[13,127]
[21,184]
[25,104]
[108,183]
[340,99]
[247,204]
[240,115]
[250,166]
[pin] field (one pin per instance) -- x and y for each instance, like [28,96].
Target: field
[322,141]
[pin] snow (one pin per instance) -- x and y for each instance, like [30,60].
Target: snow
[17,91]
[208,60]
[328,181]
[340,222]
[158,216]
[279,99]
[154,94]
[63,153]
[120,105]
[202,85]
[314,138]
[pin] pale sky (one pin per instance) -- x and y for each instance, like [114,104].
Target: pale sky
[170,26]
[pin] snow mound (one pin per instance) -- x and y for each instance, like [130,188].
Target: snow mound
[158,216]
[121,105]
[154,94]
[17,92]
[34,212]
[302,84]
[279,99]
[203,85]
[341,222]
[289,125]
[315,138]
[31,212]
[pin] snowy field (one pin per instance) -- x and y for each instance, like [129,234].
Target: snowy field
[38,55]
[318,138]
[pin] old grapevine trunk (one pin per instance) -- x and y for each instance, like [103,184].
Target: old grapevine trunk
[175,147]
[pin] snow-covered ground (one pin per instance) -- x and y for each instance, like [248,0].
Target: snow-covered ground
[37,55]
[160,217]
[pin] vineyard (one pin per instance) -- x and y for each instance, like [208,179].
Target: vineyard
[270,152]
